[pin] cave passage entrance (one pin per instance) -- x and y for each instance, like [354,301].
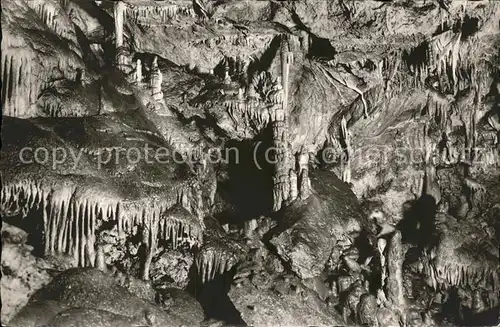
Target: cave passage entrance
[249,183]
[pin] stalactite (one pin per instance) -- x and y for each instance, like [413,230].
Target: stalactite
[119,15]
[77,243]
[445,53]
[148,15]
[61,246]
[20,89]
[286,62]
[151,240]
[431,184]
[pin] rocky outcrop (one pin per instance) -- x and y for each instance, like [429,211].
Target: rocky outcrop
[73,208]
[103,299]
[310,228]
[398,99]
[265,295]
[22,275]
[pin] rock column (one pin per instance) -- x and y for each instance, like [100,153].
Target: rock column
[280,125]
[119,15]
[346,164]
[304,182]
[156,92]
[394,282]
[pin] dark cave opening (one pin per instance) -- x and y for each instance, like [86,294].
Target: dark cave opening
[418,223]
[417,57]
[321,48]
[213,297]
[32,224]
[249,183]
[453,311]
[469,26]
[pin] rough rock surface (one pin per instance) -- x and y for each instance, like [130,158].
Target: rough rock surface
[103,297]
[321,162]
[22,275]
[313,227]
[265,295]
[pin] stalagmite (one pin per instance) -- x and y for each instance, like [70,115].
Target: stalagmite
[150,241]
[394,287]
[138,71]
[381,244]
[100,259]
[304,182]
[346,174]
[279,118]
[294,190]
[156,92]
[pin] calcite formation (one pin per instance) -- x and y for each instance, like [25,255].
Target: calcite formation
[301,162]
[73,210]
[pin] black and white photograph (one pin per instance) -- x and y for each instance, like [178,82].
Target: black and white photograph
[216,163]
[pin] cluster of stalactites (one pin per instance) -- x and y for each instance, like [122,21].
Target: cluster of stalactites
[451,57]
[210,262]
[445,56]
[71,222]
[457,274]
[249,98]
[50,15]
[20,87]
[245,40]
[167,227]
[21,196]
[158,15]
[248,112]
